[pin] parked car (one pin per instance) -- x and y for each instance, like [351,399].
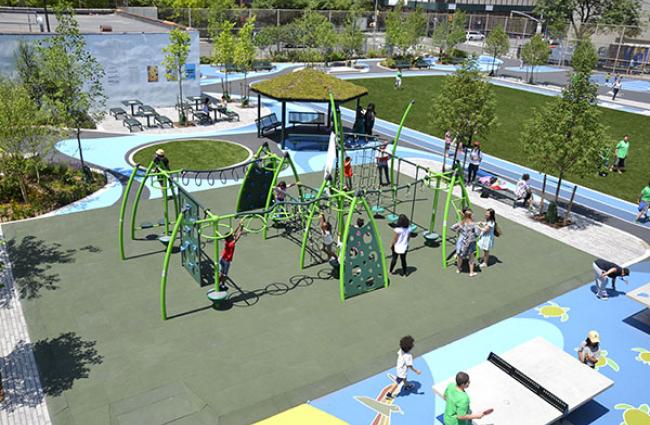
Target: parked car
[474,36]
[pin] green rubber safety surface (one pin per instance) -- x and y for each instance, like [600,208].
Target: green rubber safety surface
[195,154]
[281,338]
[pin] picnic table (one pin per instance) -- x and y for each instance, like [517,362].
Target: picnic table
[196,100]
[216,108]
[132,103]
[148,112]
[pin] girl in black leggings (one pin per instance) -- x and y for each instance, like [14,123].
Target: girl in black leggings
[400,243]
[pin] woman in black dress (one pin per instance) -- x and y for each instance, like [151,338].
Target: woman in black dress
[370,118]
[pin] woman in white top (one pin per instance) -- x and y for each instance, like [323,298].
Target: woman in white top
[475,157]
[400,243]
[486,239]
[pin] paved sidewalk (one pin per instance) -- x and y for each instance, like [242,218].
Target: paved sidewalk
[24,402]
[592,237]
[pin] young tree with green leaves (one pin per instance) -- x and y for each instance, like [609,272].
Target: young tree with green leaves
[223,51]
[567,135]
[585,15]
[244,53]
[351,38]
[535,53]
[448,34]
[71,76]
[403,30]
[28,67]
[466,106]
[584,58]
[497,44]
[315,31]
[176,53]
[218,13]
[26,131]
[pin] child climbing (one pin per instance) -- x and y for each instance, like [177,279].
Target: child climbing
[227,255]
[347,172]
[328,238]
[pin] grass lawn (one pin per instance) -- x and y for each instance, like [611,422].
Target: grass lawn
[195,154]
[513,108]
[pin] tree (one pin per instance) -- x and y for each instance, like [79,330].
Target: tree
[223,51]
[535,53]
[403,30]
[176,53]
[576,139]
[26,130]
[244,53]
[28,67]
[584,15]
[351,38]
[466,106]
[314,31]
[449,33]
[71,76]
[497,44]
[218,13]
[584,57]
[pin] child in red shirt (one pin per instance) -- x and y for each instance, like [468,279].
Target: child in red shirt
[347,172]
[227,255]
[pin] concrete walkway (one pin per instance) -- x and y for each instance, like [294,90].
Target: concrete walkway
[24,402]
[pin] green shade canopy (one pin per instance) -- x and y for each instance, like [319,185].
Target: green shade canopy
[308,85]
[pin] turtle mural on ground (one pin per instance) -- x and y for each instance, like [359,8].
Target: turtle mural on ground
[606,361]
[634,415]
[643,356]
[552,309]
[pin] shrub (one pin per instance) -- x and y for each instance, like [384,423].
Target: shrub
[373,54]
[205,60]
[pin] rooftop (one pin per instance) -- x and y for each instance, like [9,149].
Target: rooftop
[24,21]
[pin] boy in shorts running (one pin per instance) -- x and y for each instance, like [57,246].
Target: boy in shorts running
[404,363]
[227,256]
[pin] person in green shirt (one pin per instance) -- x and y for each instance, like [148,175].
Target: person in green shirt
[644,202]
[621,153]
[457,410]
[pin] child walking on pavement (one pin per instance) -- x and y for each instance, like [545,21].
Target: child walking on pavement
[404,363]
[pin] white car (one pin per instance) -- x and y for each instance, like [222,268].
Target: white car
[474,36]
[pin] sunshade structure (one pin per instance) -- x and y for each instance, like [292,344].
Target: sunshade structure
[306,85]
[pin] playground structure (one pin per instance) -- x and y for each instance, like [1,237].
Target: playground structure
[360,264]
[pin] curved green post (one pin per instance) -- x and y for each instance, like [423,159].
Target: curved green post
[125,198]
[396,140]
[168,254]
[215,260]
[166,204]
[338,126]
[269,195]
[436,198]
[342,251]
[445,216]
[384,267]
[257,155]
[138,194]
[310,218]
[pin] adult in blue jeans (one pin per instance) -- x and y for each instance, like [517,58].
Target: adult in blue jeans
[605,270]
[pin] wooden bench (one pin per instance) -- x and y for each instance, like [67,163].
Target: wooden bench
[131,123]
[162,121]
[499,194]
[402,65]
[118,113]
[262,66]
[307,118]
[230,115]
[201,118]
[229,67]
[266,123]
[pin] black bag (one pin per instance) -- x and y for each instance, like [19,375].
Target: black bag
[485,193]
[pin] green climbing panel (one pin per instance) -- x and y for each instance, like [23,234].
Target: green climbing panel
[255,187]
[363,269]
[190,236]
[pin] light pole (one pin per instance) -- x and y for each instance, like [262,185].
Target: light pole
[374,29]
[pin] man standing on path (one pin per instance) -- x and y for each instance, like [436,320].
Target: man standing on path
[606,269]
[644,202]
[617,87]
[622,149]
[457,410]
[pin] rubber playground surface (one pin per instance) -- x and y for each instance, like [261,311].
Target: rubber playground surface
[105,356]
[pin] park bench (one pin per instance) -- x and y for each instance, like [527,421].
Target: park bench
[201,118]
[402,64]
[503,191]
[307,118]
[131,123]
[118,113]
[422,64]
[162,121]
[266,123]
[229,114]
[262,66]
[229,67]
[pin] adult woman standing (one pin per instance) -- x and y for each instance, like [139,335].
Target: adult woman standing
[359,121]
[370,118]
[467,231]
[475,158]
[486,240]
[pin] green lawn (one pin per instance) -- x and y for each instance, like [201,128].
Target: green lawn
[195,154]
[513,108]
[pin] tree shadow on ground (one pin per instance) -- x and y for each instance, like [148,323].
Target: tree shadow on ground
[31,261]
[63,360]
[60,360]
